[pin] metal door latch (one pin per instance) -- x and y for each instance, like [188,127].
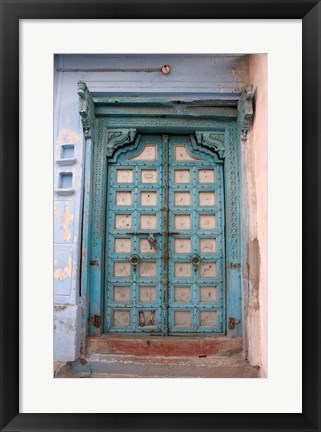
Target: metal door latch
[231,323]
[152,241]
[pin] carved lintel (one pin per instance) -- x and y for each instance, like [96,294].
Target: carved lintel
[214,141]
[245,109]
[116,138]
[86,108]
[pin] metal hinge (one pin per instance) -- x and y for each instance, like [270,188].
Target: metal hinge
[231,322]
[95,320]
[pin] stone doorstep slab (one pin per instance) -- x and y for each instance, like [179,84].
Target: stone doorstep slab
[124,366]
[163,345]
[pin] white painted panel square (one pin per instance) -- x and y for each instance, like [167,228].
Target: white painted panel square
[208,319]
[208,269]
[123,221]
[124,198]
[122,269]
[182,270]
[147,293]
[182,221]
[206,198]
[148,221]
[208,245]
[208,293]
[182,294]
[148,198]
[182,245]
[121,318]
[207,221]
[121,293]
[182,319]
[149,175]
[182,176]
[182,198]
[206,176]
[124,176]
[147,269]
[122,245]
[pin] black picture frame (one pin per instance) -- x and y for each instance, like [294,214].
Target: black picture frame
[11,12]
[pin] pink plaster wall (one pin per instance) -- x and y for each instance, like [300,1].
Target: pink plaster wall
[257,202]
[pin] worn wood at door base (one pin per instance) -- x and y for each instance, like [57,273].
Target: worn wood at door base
[166,346]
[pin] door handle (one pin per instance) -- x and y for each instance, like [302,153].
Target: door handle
[196,260]
[134,260]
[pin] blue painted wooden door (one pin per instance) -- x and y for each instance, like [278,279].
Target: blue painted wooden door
[165,238]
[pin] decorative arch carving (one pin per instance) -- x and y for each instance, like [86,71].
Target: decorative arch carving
[214,141]
[86,109]
[245,111]
[117,138]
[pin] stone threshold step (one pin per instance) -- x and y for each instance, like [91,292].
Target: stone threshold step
[124,366]
[163,345]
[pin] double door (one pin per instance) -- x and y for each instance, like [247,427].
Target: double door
[165,239]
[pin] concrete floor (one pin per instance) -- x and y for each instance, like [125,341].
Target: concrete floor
[131,366]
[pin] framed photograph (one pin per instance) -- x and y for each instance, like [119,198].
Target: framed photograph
[151,215]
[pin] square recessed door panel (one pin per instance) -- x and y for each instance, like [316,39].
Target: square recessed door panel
[122,245]
[182,294]
[207,245]
[206,199]
[147,294]
[182,199]
[148,221]
[148,198]
[149,175]
[123,221]
[206,176]
[124,198]
[121,294]
[124,175]
[182,176]
[182,245]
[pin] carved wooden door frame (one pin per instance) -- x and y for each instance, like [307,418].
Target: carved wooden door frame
[111,123]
